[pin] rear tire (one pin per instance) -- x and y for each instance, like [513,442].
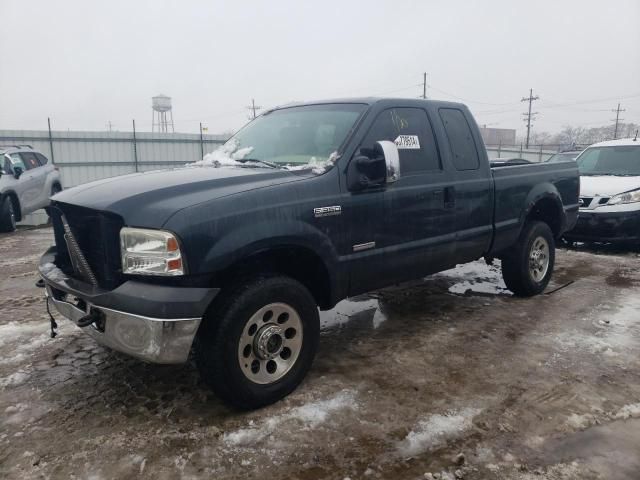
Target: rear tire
[528,266]
[258,342]
[7,215]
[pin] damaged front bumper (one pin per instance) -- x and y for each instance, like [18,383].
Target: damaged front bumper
[155,323]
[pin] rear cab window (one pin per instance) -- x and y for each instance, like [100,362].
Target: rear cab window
[463,147]
[410,130]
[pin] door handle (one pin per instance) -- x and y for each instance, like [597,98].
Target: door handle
[449,197]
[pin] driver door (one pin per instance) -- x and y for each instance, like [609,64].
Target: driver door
[24,186]
[405,229]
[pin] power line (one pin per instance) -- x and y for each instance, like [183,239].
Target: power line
[599,100]
[529,99]
[617,111]
[471,101]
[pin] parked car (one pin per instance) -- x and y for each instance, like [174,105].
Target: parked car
[567,156]
[27,180]
[305,206]
[609,193]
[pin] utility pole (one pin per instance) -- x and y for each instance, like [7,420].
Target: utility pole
[617,112]
[110,125]
[201,143]
[529,115]
[253,107]
[424,85]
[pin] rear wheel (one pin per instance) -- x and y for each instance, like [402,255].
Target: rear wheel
[257,344]
[528,266]
[7,215]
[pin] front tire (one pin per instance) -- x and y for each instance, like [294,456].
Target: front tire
[528,266]
[257,343]
[7,215]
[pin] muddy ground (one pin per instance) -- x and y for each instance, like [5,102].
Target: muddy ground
[405,381]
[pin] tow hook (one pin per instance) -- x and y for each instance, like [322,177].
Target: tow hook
[94,316]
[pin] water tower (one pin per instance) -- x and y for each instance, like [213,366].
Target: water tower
[162,119]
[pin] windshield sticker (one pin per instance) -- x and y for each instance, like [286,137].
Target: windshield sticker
[407,142]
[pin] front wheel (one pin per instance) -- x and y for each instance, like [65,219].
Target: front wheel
[7,215]
[257,343]
[528,266]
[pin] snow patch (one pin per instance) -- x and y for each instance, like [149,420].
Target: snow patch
[628,411]
[13,380]
[580,422]
[27,337]
[307,417]
[226,154]
[346,309]
[230,154]
[476,277]
[436,431]
[617,332]
[317,166]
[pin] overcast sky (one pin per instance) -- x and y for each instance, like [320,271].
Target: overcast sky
[85,63]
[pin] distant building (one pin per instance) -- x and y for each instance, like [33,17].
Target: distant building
[498,136]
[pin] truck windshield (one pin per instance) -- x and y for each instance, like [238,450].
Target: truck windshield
[295,138]
[622,160]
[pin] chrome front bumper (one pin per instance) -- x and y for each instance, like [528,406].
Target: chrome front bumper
[152,339]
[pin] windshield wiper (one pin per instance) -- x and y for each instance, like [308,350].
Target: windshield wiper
[256,160]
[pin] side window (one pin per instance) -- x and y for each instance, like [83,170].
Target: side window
[6,164]
[30,160]
[411,131]
[42,159]
[463,147]
[16,161]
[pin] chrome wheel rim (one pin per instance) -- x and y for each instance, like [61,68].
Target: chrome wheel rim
[270,343]
[539,259]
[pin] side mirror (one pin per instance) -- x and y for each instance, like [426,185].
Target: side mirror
[391,159]
[371,168]
[17,171]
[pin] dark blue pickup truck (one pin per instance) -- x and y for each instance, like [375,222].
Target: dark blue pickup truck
[308,204]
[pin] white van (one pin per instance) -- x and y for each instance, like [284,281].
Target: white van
[609,193]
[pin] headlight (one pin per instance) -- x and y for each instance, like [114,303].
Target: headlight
[629,197]
[150,252]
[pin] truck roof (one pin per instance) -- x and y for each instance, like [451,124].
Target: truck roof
[621,142]
[368,101]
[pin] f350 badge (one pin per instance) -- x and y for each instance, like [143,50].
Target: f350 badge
[327,211]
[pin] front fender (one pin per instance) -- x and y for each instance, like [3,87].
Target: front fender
[247,240]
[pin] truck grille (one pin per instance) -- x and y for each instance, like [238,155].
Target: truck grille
[97,235]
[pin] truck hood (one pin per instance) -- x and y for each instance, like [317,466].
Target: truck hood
[606,185]
[148,199]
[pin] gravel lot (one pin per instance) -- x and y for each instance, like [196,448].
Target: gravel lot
[405,381]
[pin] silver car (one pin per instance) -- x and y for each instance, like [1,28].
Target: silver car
[27,180]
